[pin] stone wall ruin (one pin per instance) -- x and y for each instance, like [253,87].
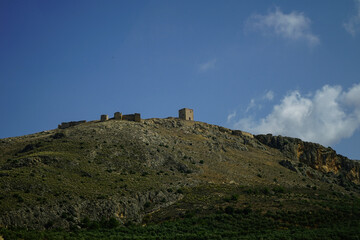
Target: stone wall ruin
[64,125]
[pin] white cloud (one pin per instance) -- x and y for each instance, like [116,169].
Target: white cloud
[352,26]
[353,96]
[293,26]
[269,95]
[204,67]
[257,103]
[326,117]
[231,116]
[251,105]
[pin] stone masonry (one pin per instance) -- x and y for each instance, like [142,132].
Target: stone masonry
[64,125]
[104,117]
[186,114]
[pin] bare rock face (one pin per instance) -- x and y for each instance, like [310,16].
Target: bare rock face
[314,155]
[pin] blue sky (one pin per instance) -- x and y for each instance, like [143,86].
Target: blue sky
[286,67]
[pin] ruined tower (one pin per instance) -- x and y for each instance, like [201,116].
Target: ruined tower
[104,118]
[118,116]
[186,114]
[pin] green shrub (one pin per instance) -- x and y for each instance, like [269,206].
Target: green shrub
[265,191]
[229,210]
[180,191]
[278,189]
[18,198]
[112,223]
[147,205]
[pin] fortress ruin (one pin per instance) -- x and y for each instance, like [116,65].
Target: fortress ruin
[130,117]
[185,114]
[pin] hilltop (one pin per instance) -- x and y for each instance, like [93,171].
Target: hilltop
[158,170]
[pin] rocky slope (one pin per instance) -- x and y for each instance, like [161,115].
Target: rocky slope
[156,169]
[325,160]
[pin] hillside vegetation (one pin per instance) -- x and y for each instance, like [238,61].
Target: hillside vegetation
[197,179]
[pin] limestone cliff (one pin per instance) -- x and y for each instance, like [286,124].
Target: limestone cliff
[314,155]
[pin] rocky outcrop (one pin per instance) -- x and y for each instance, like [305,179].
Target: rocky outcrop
[314,155]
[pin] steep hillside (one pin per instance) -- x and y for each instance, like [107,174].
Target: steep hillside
[162,169]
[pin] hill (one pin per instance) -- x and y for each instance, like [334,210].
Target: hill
[165,170]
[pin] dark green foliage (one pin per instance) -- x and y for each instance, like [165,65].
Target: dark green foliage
[58,135]
[49,224]
[231,224]
[147,205]
[265,191]
[279,189]
[234,197]
[27,148]
[110,223]
[18,198]
[229,210]
[246,211]
[101,197]
[180,191]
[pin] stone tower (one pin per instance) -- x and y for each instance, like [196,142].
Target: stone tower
[104,118]
[118,116]
[186,114]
